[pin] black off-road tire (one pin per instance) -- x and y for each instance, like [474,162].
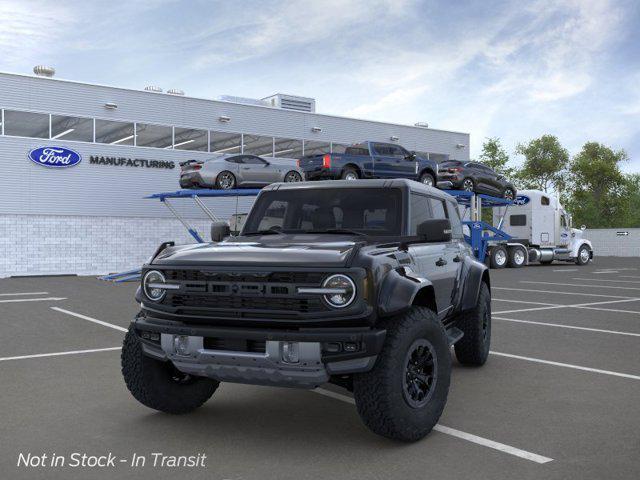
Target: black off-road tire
[380,393]
[158,384]
[473,347]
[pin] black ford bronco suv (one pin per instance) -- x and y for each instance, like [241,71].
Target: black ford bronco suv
[363,284]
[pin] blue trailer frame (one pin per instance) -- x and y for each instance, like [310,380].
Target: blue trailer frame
[481,234]
[196,196]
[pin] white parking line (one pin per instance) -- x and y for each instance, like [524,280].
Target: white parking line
[580,285]
[89,319]
[606,280]
[485,442]
[606,271]
[575,305]
[57,354]
[23,293]
[634,312]
[572,327]
[582,294]
[566,365]
[567,270]
[46,299]
[629,276]
[522,301]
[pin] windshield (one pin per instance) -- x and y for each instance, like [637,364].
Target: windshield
[368,211]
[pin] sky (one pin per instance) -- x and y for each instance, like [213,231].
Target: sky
[514,70]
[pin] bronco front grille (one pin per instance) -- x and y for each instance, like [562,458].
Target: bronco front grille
[303,305]
[243,295]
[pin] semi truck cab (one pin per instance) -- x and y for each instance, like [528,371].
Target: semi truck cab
[539,222]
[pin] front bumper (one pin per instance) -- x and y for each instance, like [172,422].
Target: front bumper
[266,365]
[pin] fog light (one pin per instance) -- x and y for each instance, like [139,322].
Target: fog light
[290,352]
[333,347]
[181,344]
[350,347]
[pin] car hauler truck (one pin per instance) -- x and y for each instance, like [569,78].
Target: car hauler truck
[537,223]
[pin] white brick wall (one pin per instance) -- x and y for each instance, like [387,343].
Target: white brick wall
[50,245]
[608,242]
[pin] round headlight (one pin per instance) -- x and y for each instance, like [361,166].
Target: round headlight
[345,291]
[151,278]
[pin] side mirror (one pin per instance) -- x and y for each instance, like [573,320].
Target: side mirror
[583,227]
[411,156]
[436,230]
[219,231]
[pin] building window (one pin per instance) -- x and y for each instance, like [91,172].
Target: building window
[114,133]
[222,142]
[26,124]
[71,128]
[258,145]
[287,148]
[157,136]
[316,148]
[338,147]
[190,139]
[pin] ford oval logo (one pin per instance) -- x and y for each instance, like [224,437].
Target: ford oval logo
[521,200]
[55,157]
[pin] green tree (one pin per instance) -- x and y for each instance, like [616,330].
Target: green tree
[545,164]
[633,194]
[495,156]
[599,191]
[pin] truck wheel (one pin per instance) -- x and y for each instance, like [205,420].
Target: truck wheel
[468,185]
[498,257]
[404,394]
[427,179]
[350,173]
[473,347]
[508,194]
[584,255]
[517,257]
[159,385]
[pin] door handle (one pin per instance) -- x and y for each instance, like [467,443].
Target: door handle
[457,258]
[441,262]
[246,168]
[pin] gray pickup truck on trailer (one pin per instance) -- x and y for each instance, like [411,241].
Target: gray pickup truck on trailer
[362,284]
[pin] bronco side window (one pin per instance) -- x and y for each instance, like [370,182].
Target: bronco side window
[454,218]
[420,211]
[437,207]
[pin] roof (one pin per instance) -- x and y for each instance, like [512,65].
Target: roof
[362,183]
[145,92]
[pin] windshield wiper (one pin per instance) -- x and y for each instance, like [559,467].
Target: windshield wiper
[338,231]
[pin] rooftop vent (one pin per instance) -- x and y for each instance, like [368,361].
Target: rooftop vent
[175,91]
[291,102]
[422,124]
[44,71]
[153,88]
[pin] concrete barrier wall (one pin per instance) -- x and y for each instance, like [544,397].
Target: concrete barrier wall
[615,242]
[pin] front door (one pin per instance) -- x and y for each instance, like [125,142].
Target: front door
[256,171]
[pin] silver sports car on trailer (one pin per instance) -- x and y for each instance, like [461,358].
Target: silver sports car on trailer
[232,171]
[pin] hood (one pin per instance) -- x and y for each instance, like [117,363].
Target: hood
[247,252]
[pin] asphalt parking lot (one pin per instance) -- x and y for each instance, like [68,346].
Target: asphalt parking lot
[558,398]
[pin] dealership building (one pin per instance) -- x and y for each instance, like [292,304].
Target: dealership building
[92,217]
